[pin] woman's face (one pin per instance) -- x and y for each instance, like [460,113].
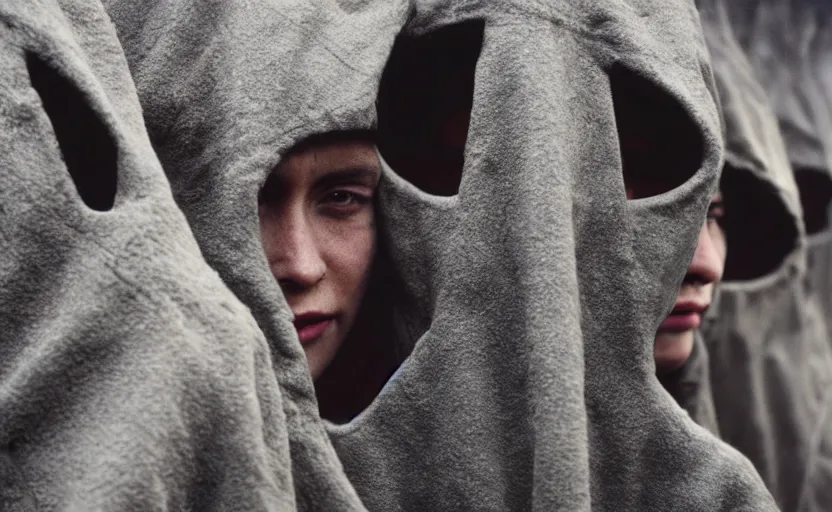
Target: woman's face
[649,164]
[674,339]
[317,226]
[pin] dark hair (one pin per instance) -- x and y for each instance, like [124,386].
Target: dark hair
[368,356]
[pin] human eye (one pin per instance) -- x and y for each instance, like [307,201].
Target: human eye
[343,198]
[341,202]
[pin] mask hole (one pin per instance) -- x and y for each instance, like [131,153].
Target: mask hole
[661,147]
[87,148]
[424,105]
[759,231]
[815,191]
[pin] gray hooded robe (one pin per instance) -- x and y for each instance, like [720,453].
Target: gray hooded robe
[789,45]
[771,363]
[132,379]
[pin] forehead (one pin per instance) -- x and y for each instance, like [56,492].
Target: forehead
[318,158]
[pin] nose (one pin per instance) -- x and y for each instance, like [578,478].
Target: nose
[707,264]
[293,253]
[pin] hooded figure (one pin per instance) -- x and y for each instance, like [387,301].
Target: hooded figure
[528,301]
[789,46]
[132,379]
[770,360]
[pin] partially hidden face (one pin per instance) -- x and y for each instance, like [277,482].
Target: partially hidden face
[657,155]
[674,339]
[317,227]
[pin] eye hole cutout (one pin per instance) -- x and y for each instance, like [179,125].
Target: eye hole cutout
[815,188]
[661,147]
[424,105]
[759,231]
[87,147]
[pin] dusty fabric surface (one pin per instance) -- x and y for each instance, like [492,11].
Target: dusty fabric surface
[789,45]
[819,275]
[532,296]
[131,378]
[785,43]
[771,366]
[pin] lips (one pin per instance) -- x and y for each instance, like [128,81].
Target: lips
[311,326]
[686,315]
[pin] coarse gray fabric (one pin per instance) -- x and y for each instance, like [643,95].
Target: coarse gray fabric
[532,297]
[771,363]
[784,41]
[816,186]
[789,44]
[819,275]
[131,378]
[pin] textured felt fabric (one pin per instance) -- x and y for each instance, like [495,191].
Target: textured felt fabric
[131,378]
[530,299]
[789,45]
[771,366]
[785,43]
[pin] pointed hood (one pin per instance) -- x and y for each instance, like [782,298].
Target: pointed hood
[131,378]
[528,301]
[771,366]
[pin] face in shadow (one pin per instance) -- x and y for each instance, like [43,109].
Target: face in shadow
[318,232]
[674,339]
[659,152]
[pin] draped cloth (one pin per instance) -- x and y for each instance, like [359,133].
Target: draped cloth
[768,336]
[149,360]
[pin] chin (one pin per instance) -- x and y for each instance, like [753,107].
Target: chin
[672,350]
[318,361]
[315,368]
[321,352]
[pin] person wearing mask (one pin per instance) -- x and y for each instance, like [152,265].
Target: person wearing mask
[317,223]
[675,337]
[526,304]
[679,352]
[767,337]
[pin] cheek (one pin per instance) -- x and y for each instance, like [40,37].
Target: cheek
[721,249]
[708,291]
[348,248]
